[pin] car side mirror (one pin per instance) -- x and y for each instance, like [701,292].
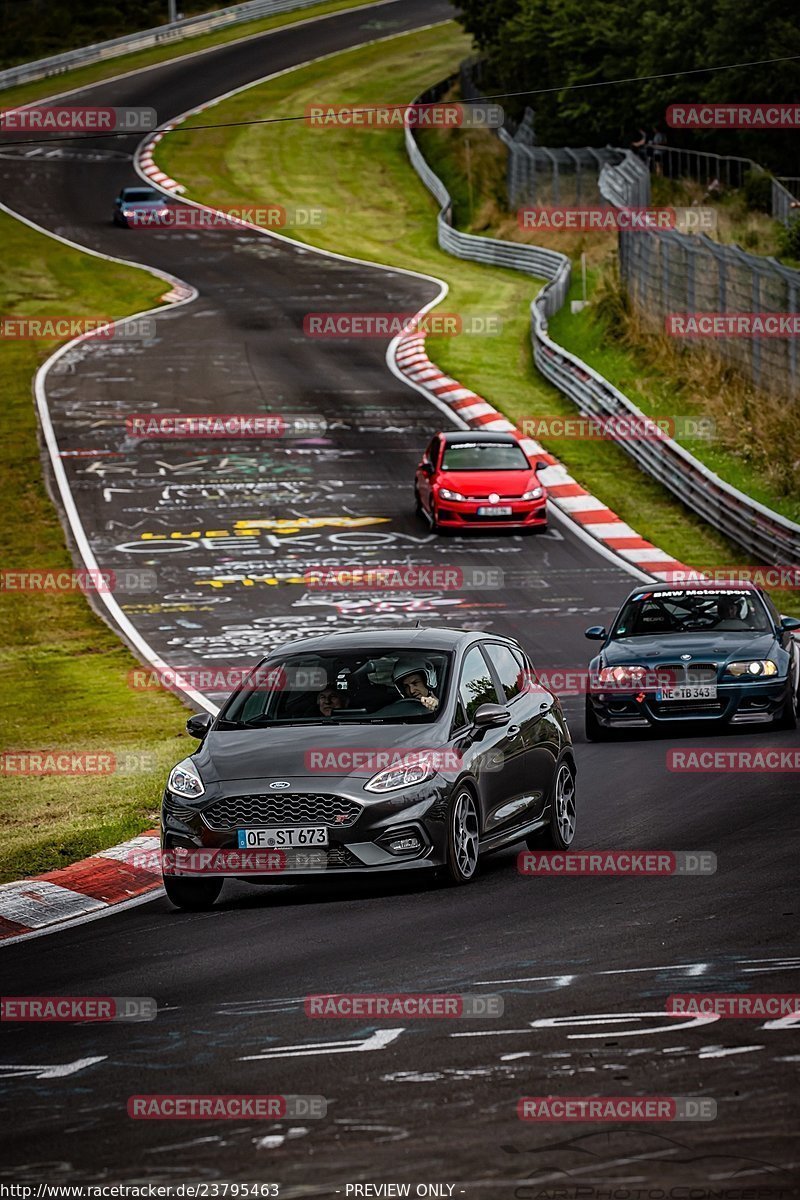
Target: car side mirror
[199,725]
[487,716]
[788,623]
[427,466]
[541,465]
[595,633]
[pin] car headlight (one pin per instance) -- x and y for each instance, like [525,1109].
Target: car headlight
[446,494]
[629,676]
[391,779]
[757,668]
[185,781]
[534,495]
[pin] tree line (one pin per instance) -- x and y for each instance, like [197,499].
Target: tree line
[553,47]
[38,28]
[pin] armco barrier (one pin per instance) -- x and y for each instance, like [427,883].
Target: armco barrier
[765,534]
[43,68]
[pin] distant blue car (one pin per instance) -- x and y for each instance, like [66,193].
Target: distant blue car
[144,203]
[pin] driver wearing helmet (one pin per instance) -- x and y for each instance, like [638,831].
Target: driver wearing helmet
[732,611]
[415,679]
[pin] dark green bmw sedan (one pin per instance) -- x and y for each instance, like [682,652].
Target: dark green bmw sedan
[711,653]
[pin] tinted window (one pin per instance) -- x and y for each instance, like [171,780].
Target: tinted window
[460,719]
[345,686]
[510,668]
[476,687]
[484,456]
[691,610]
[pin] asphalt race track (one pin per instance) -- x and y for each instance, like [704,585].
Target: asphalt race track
[431,1101]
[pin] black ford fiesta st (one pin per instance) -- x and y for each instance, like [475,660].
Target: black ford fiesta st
[355,754]
[717,654]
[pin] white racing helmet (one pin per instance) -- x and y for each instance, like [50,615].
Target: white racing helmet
[414,666]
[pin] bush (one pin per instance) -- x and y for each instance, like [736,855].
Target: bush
[789,239]
[758,191]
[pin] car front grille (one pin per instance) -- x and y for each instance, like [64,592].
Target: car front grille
[296,808]
[689,672]
[500,500]
[181,812]
[474,517]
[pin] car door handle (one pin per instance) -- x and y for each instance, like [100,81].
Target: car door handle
[513,731]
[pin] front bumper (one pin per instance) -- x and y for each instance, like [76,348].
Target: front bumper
[751,703]
[525,514]
[357,848]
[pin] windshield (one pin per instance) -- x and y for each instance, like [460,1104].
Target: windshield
[342,687]
[140,196]
[484,456]
[692,611]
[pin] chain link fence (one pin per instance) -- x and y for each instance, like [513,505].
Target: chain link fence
[667,273]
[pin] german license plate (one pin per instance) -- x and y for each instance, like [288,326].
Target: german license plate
[268,839]
[688,691]
[495,510]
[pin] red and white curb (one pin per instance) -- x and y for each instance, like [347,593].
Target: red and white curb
[594,517]
[150,168]
[85,888]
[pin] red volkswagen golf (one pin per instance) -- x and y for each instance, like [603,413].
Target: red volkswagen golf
[477,480]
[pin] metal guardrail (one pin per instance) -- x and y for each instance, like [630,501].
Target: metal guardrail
[533,260]
[767,535]
[83,56]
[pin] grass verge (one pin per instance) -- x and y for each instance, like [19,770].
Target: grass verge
[63,672]
[377,209]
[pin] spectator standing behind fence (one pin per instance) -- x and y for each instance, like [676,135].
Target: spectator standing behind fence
[639,145]
[658,143]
